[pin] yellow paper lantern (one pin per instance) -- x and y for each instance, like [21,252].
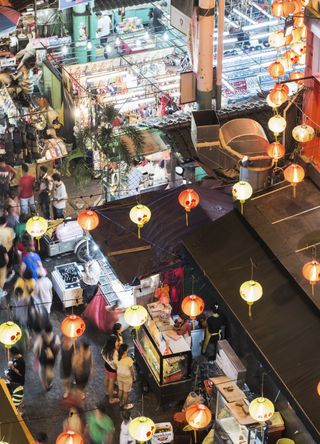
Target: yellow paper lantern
[10,334]
[299,48]
[261,409]
[251,291]
[135,316]
[270,103]
[37,226]
[277,124]
[303,133]
[242,191]
[286,62]
[140,215]
[296,35]
[141,429]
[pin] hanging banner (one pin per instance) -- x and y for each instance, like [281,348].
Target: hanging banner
[65,4]
[180,14]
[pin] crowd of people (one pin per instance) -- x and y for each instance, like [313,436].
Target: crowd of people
[18,201]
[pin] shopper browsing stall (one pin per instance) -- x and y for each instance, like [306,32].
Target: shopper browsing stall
[125,376]
[60,197]
[90,278]
[45,190]
[26,186]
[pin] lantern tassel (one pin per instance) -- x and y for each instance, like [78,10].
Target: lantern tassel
[38,240]
[8,353]
[312,289]
[250,311]
[187,219]
[294,192]
[139,232]
[241,206]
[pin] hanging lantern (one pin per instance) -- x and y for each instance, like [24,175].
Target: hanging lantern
[135,316]
[276,150]
[270,103]
[291,56]
[242,191]
[279,94]
[299,48]
[311,272]
[286,63]
[73,326]
[282,8]
[188,199]
[88,220]
[192,306]
[140,215]
[296,75]
[276,70]
[251,291]
[261,409]
[318,388]
[277,124]
[277,39]
[37,226]
[141,429]
[198,416]
[297,6]
[69,437]
[303,133]
[299,21]
[10,334]
[294,174]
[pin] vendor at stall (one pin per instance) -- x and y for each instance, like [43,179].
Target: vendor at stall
[90,279]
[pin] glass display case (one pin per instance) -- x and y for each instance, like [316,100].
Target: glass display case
[234,424]
[167,373]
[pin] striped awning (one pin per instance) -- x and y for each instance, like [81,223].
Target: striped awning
[103,5]
[8,20]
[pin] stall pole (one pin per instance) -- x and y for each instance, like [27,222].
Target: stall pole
[205,59]
[221,11]
[93,26]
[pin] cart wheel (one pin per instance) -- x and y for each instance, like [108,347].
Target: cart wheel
[81,249]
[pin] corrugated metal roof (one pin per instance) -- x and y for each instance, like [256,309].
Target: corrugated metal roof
[114,4]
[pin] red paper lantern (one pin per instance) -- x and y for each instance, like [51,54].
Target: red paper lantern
[73,326]
[296,75]
[192,306]
[279,94]
[311,272]
[294,174]
[276,70]
[88,220]
[282,8]
[188,199]
[276,150]
[318,388]
[69,437]
[198,416]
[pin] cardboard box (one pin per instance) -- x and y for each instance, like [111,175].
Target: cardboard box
[163,433]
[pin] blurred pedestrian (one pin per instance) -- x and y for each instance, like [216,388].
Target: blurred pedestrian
[43,289]
[125,376]
[32,261]
[46,349]
[74,422]
[67,349]
[38,318]
[45,190]
[20,228]
[26,186]
[7,173]
[117,331]
[110,356]
[17,368]
[7,235]
[13,209]
[27,283]
[82,366]
[100,426]
[4,260]
[60,197]
[125,437]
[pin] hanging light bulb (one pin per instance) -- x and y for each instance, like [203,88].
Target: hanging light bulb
[311,272]
[277,124]
[303,133]
[251,291]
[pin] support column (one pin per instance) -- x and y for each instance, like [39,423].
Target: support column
[80,27]
[220,53]
[205,59]
[93,26]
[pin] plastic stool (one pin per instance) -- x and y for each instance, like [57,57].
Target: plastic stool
[285,441]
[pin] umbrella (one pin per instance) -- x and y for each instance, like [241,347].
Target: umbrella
[8,20]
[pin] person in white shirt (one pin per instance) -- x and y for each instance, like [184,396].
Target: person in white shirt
[43,290]
[90,279]
[104,27]
[60,197]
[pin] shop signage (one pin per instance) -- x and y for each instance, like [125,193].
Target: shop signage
[180,15]
[47,42]
[65,4]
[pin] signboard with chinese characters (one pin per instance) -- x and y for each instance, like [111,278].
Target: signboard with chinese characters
[65,4]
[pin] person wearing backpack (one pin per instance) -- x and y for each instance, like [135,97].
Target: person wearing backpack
[46,349]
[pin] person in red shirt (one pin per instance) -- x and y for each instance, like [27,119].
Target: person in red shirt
[26,185]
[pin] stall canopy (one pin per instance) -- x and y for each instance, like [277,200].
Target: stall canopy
[285,327]
[159,246]
[8,20]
